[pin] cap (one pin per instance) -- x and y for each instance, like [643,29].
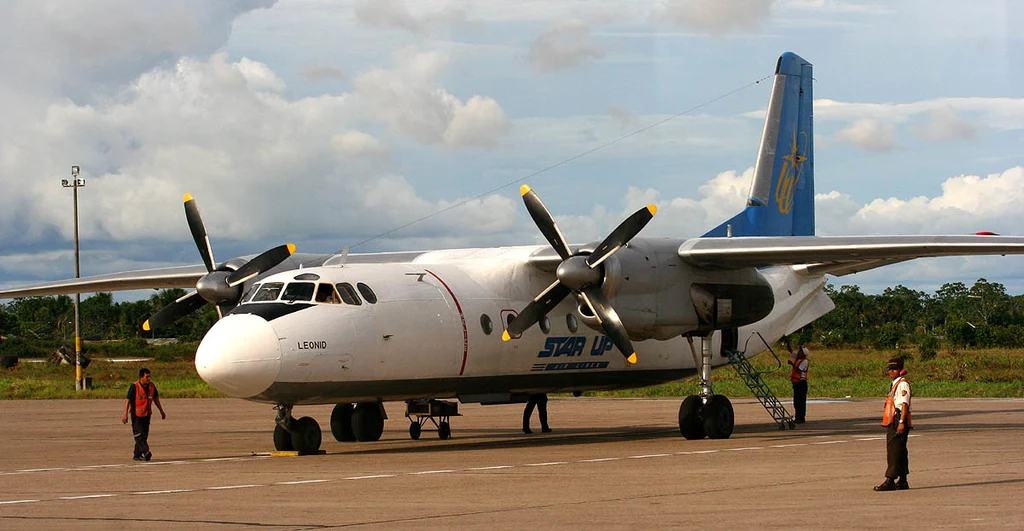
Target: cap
[896,364]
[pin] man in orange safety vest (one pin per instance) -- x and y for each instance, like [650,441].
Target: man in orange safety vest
[896,419]
[139,405]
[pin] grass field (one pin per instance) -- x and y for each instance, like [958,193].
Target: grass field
[833,374]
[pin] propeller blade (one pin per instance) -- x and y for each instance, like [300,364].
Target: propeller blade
[626,230]
[261,263]
[610,322]
[174,311]
[536,310]
[544,221]
[195,224]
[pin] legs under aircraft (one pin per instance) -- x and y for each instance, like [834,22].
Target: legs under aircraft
[291,434]
[709,414]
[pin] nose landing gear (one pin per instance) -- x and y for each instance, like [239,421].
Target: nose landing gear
[301,435]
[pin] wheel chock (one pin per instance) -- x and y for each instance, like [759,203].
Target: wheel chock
[294,453]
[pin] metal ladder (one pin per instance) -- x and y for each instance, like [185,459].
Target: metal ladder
[757,385]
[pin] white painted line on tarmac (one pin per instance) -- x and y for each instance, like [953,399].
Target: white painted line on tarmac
[41,470]
[744,448]
[87,496]
[302,482]
[647,456]
[425,472]
[552,463]
[787,445]
[496,467]
[372,477]
[698,452]
[12,502]
[829,442]
[601,459]
[229,487]
[168,491]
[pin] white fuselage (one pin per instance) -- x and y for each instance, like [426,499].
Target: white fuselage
[435,332]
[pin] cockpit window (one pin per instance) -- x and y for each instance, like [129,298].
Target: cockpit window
[325,294]
[348,294]
[268,292]
[298,291]
[249,293]
[368,293]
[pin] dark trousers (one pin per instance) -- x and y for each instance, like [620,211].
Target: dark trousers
[800,399]
[140,429]
[896,456]
[541,402]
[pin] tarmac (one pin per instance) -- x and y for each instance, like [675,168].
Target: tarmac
[609,464]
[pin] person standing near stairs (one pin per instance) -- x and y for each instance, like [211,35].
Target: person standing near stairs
[798,377]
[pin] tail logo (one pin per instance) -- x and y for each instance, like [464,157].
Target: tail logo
[789,176]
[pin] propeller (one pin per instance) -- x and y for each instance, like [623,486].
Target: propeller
[221,287]
[579,274]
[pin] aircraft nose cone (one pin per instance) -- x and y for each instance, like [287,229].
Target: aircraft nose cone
[240,356]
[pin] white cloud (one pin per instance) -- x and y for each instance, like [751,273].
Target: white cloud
[968,204]
[870,134]
[357,144]
[717,16]
[564,46]
[945,125]
[323,71]
[410,100]
[395,14]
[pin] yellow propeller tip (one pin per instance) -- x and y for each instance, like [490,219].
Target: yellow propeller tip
[653,209]
[145,326]
[188,197]
[505,336]
[291,248]
[524,189]
[631,359]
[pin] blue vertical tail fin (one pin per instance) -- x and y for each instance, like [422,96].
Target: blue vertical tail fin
[781,201]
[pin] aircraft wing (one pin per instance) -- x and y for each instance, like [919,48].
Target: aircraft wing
[167,277]
[838,255]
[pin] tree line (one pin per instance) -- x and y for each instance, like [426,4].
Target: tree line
[982,315]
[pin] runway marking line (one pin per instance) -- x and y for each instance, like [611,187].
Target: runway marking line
[378,476]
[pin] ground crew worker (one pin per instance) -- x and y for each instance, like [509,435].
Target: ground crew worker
[139,405]
[541,402]
[896,419]
[798,377]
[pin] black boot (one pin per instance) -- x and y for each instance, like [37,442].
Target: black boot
[901,484]
[527,430]
[888,484]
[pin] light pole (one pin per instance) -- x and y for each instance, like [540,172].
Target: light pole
[75,184]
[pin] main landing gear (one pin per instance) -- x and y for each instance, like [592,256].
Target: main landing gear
[708,415]
[349,422]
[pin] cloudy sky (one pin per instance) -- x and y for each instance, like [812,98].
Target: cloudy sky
[330,123]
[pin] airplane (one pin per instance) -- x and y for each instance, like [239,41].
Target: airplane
[493,325]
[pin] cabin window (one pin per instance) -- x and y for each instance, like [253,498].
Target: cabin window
[268,292]
[368,293]
[486,324]
[249,293]
[325,294]
[545,324]
[348,294]
[572,323]
[298,291]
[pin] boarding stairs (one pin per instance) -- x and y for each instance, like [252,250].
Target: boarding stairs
[757,385]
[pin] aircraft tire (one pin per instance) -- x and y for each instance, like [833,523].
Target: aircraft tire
[306,435]
[282,439]
[367,422]
[414,430]
[719,419]
[444,430]
[690,425]
[341,423]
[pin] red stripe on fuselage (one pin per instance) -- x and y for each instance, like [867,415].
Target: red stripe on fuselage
[465,330]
